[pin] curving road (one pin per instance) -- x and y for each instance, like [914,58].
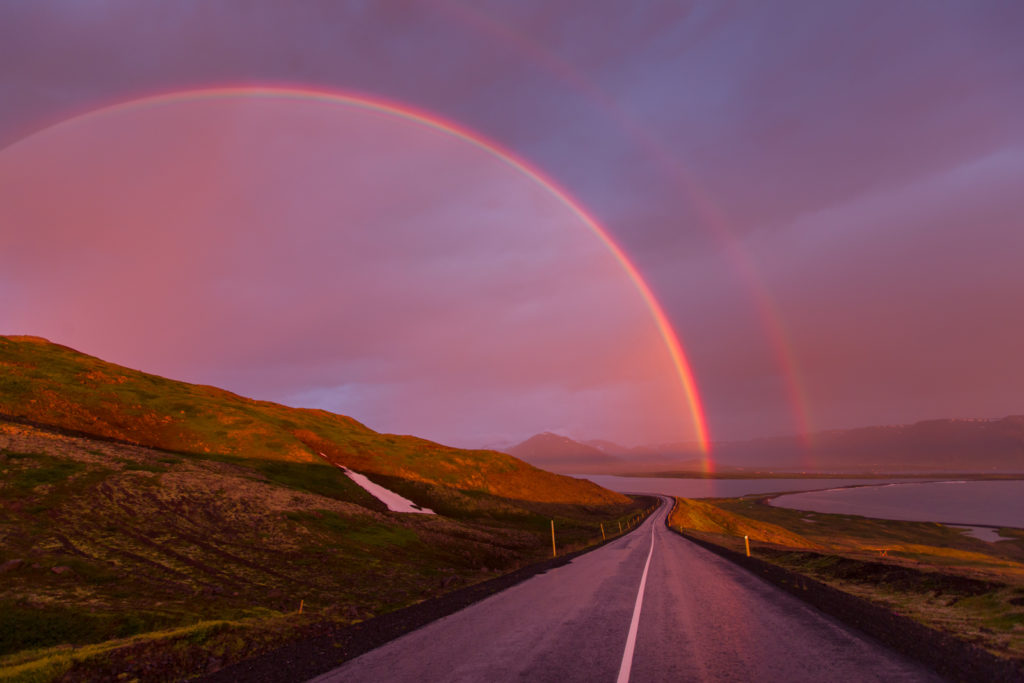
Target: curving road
[700,618]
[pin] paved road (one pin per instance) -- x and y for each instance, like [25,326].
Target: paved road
[701,618]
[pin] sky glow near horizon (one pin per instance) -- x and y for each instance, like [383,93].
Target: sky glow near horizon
[824,197]
[334,256]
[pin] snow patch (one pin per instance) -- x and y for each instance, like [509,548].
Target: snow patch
[395,502]
[985,533]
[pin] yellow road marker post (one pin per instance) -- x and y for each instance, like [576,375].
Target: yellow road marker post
[554,551]
[746,540]
[301,603]
[602,532]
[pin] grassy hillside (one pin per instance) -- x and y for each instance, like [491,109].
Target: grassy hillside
[187,537]
[202,560]
[55,385]
[700,516]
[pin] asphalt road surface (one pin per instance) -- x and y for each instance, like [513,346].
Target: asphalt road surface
[699,618]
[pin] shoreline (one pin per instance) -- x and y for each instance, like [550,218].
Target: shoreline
[772,500]
[945,476]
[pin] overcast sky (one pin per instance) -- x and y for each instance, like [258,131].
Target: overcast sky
[826,199]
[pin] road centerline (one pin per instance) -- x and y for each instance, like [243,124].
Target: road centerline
[634,624]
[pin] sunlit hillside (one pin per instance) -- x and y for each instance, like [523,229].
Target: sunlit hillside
[58,386]
[700,516]
[188,531]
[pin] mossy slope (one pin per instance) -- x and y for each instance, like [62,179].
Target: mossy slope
[54,385]
[700,516]
[101,541]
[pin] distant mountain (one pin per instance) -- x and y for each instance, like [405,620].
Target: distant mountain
[952,445]
[561,454]
[609,447]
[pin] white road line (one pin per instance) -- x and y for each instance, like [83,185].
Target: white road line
[627,655]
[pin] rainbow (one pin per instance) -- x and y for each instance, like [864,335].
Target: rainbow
[477,20]
[668,335]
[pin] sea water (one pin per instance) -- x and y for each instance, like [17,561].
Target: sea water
[720,488]
[978,506]
[969,503]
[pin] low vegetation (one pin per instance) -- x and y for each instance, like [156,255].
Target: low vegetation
[197,560]
[936,574]
[700,516]
[161,530]
[54,385]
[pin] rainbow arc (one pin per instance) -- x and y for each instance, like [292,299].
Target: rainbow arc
[680,363]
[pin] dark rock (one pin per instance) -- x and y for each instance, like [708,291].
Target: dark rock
[60,569]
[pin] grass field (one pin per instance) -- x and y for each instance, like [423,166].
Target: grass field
[186,524]
[935,574]
[195,560]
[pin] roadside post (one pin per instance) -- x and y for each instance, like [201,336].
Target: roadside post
[602,532]
[554,551]
[746,540]
[301,603]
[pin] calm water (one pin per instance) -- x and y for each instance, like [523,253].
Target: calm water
[720,488]
[991,503]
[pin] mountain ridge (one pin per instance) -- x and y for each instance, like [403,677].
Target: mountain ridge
[934,445]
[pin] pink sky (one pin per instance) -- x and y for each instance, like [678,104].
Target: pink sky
[329,255]
[825,198]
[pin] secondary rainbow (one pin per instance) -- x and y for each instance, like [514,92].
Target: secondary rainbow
[713,216]
[668,334]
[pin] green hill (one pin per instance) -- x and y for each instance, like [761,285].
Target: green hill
[162,529]
[58,386]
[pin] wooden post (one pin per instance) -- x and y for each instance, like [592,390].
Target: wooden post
[620,526]
[554,551]
[602,532]
[746,540]
[301,603]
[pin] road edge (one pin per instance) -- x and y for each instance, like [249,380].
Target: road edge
[949,656]
[308,658]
